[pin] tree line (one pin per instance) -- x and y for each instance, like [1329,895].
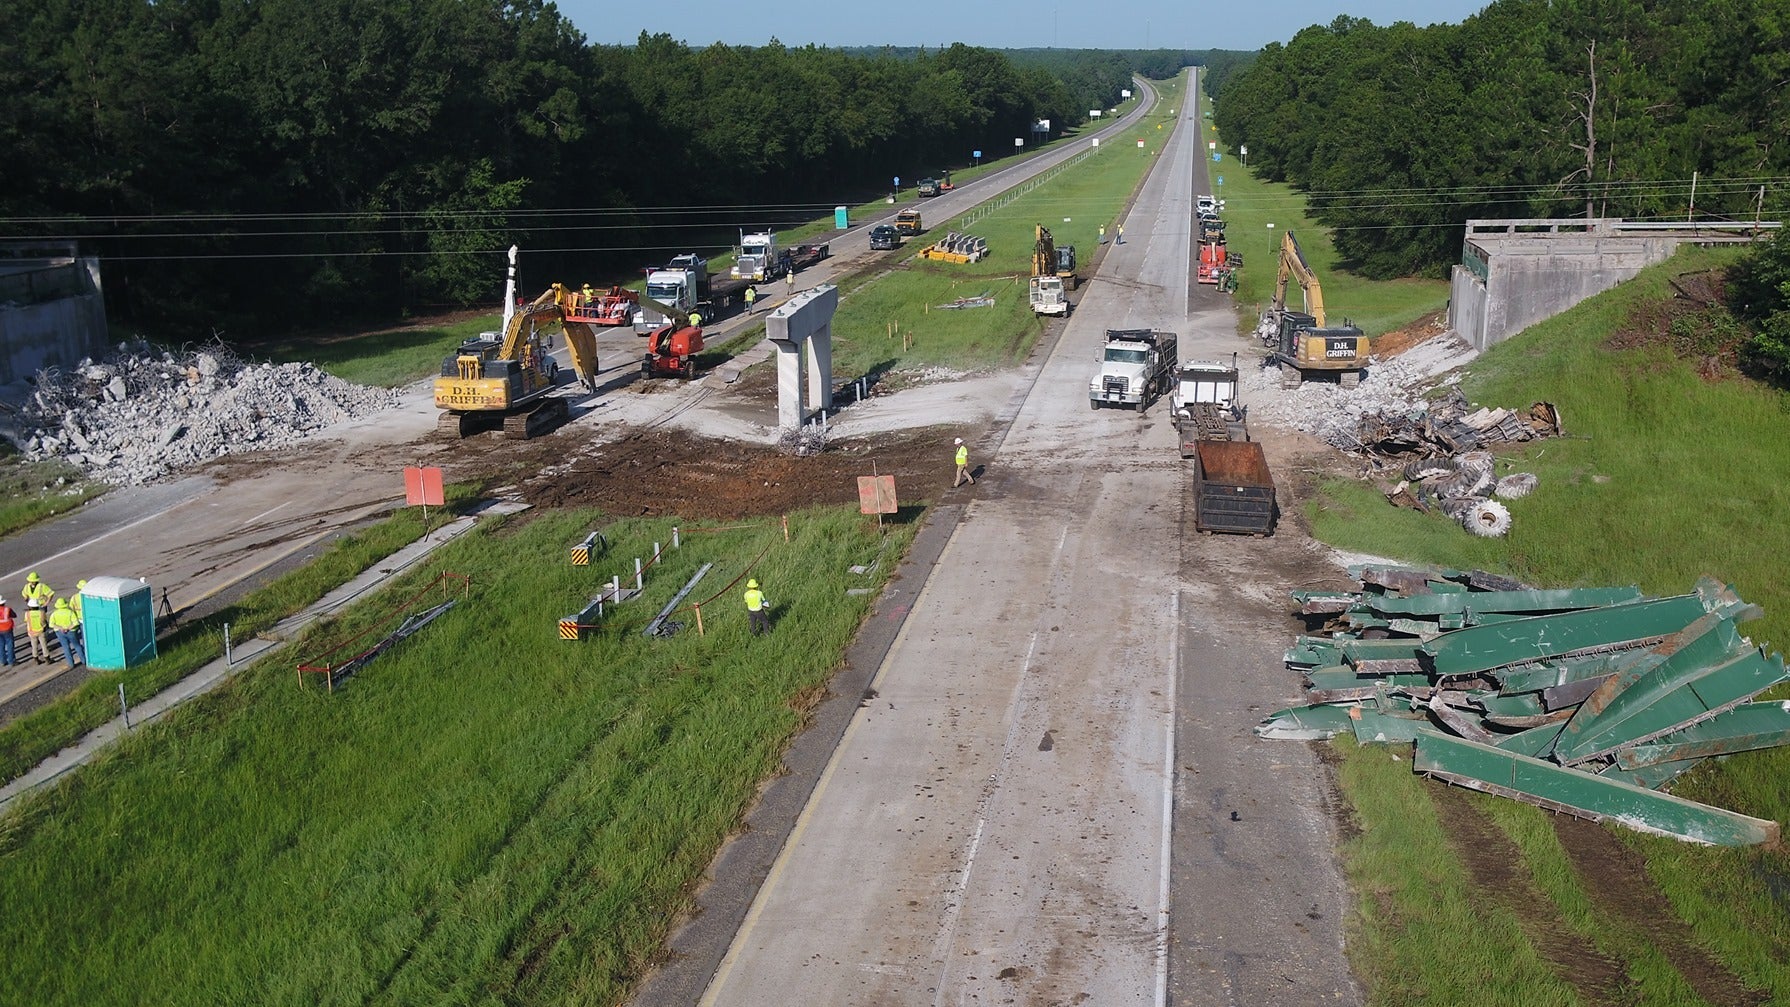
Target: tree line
[1531,108]
[280,162]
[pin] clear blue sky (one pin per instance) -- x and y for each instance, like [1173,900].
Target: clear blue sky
[1001,24]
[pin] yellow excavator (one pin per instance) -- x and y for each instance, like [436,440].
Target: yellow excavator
[1303,345]
[508,379]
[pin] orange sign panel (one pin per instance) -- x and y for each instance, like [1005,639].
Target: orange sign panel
[422,487]
[876,495]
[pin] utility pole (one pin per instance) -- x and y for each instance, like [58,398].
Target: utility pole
[1690,215]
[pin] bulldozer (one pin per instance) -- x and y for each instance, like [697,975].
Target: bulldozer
[507,380]
[1304,346]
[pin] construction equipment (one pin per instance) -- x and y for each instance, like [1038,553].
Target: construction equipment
[1047,297]
[508,379]
[1303,345]
[615,306]
[1051,259]
[1205,404]
[671,348]
[908,222]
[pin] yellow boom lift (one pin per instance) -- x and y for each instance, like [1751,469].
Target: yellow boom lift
[509,379]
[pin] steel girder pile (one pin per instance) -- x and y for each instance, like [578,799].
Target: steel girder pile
[1589,701]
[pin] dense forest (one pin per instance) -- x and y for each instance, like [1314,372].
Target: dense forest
[278,162]
[1532,108]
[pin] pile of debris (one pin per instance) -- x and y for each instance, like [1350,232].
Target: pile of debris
[142,412]
[1588,701]
[1438,451]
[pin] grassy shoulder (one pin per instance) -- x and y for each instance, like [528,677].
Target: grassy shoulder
[30,739]
[1666,474]
[486,813]
[388,358]
[1258,213]
[36,491]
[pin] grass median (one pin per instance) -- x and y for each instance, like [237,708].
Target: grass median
[28,740]
[1667,472]
[486,813]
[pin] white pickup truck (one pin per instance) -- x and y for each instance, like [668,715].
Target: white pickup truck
[1136,367]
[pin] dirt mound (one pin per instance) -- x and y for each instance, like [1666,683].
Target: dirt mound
[673,472]
[1391,344]
[1694,323]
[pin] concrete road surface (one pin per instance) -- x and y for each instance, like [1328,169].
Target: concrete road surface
[1059,722]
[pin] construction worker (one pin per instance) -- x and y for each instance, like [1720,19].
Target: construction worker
[66,627]
[758,610]
[36,628]
[7,618]
[696,319]
[1103,234]
[37,592]
[590,296]
[963,465]
[751,298]
[1121,234]
[790,278]
[80,616]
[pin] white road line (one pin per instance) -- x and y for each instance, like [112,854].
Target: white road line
[263,514]
[1168,810]
[77,548]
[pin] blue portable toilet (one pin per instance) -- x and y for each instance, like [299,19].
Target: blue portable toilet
[841,218]
[118,619]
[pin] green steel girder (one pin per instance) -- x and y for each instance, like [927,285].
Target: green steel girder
[1652,777]
[1542,783]
[1305,723]
[1712,669]
[1535,742]
[1374,727]
[1569,634]
[1506,602]
[1747,727]
[1552,674]
[1335,684]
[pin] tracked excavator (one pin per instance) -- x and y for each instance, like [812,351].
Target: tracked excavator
[1303,345]
[508,380]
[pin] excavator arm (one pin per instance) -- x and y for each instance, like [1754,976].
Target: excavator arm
[1294,266]
[581,340]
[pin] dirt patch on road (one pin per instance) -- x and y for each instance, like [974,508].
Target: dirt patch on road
[1616,879]
[673,472]
[1496,868]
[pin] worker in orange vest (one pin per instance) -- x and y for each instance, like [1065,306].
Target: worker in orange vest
[7,618]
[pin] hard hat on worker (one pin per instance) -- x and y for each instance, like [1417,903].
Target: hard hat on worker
[80,585]
[32,578]
[958,441]
[752,583]
[61,602]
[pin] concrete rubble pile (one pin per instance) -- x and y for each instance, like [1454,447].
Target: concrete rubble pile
[143,412]
[1587,701]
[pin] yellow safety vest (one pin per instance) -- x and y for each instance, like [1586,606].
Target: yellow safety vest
[40,591]
[963,455]
[754,600]
[34,621]
[74,605]
[64,618]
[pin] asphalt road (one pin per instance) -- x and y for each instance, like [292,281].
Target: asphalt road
[1033,803]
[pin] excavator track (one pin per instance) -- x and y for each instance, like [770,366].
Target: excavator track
[552,413]
[460,426]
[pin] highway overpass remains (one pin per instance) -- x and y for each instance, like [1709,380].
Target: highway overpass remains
[1514,273]
[52,310]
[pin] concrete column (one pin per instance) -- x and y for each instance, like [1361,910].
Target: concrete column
[802,330]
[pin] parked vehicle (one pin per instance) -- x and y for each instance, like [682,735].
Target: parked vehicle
[1047,296]
[803,256]
[1136,367]
[1233,489]
[884,237]
[760,258]
[1303,345]
[1205,404]
[927,187]
[684,283]
[908,222]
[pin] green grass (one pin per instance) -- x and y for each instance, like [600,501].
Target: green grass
[34,491]
[485,814]
[28,740]
[1072,202]
[1666,475]
[1251,205]
[388,358]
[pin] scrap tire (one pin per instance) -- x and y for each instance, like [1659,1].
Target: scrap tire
[1487,519]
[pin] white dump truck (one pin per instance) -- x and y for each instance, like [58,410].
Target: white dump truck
[1136,367]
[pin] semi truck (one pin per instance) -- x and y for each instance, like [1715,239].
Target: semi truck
[684,283]
[1136,367]
[760,258]
[1205,404]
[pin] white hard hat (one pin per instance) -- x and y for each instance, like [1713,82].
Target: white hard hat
[959,440]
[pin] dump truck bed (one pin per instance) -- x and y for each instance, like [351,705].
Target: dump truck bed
[1233,489]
